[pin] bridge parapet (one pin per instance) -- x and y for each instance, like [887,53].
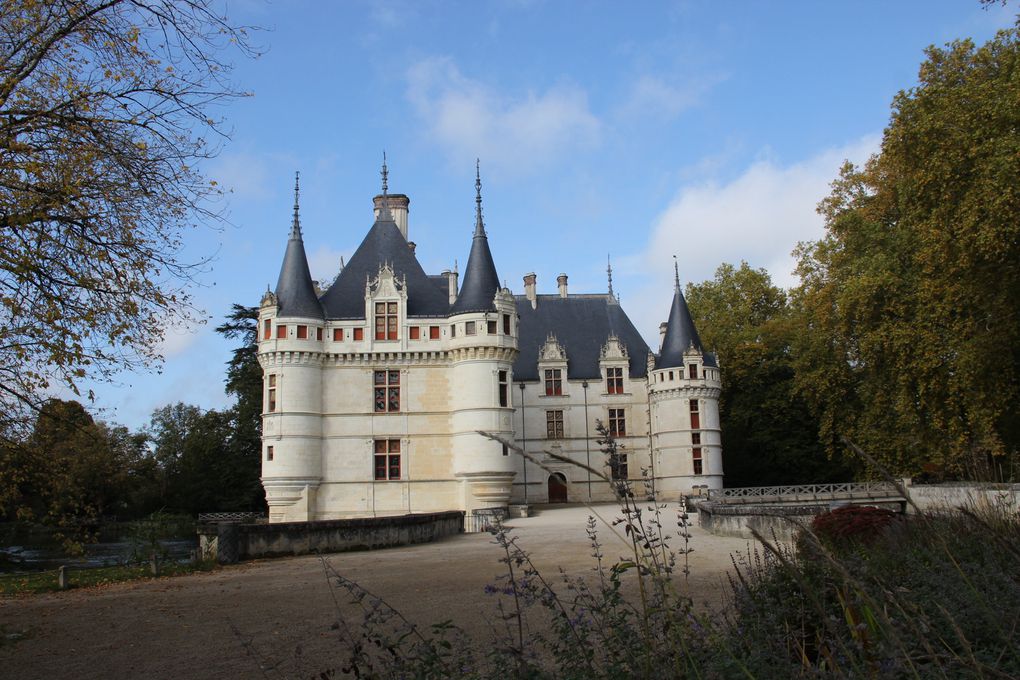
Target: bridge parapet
[806,493]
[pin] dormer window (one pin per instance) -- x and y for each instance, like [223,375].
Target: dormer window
[386,320]
[692,370]
[614,380]
[553,382]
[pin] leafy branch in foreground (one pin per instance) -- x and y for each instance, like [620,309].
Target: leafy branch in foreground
[105,115]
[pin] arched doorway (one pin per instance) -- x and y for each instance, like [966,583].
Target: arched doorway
[557,488]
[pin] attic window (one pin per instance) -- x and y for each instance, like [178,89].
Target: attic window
[281,331]
[692,369]
[414,333]
[302,332]
[490,327]
[359,334]
[386,321]
[318,334]
[338,334]
[469,328]
[433,332]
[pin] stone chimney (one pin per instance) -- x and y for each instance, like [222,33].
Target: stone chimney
[529,288]
[451,283]
[399,206]
[662,333]
[561,281]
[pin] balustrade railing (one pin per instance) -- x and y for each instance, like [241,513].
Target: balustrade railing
[812,491]
[230,516]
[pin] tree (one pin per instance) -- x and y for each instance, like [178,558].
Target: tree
[769,435]
[104,118]
[911,302]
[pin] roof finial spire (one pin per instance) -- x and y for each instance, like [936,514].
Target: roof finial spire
[676,274]
[479,223]
[609,271]
[384,208]
[295,229]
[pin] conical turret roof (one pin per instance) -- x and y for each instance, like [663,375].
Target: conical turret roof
[295,292]
[480,279]
[681,335]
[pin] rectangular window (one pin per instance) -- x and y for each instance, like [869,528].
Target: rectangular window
[614,380]
[338,334]
[696,438]
[695,416]
[267,329]
[386,321]
[554,424]
[281,332]
[671,375]
[469,328]
[617,422]
[302,332]
[504,389]
[506,324]
[692,371]
[359,334]
[553,382]
[271,394]
[414,332]
[387,391]
[269,453]
[618,466]
[698,463]
[433,332]
[318,334]
[453,330]
[490,327]
[387,459]
[506,450]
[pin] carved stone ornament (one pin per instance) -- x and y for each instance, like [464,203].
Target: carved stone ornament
[269,299]
[387,284]
[613,349]
[552,350]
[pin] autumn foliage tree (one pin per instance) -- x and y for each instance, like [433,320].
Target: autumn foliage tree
[106,112]
[910,343]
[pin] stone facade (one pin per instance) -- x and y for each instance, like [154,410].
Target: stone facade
[376,388]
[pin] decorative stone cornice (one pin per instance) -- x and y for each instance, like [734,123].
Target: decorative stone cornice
[613,350]
[662,394]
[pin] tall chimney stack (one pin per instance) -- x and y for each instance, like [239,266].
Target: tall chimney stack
[561,281]
[529,288]
[399,207]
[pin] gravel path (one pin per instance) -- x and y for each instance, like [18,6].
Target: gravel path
[202,625]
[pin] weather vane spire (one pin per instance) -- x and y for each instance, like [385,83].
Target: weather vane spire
[385,174]
[676,274]
[609,272]
[479,223]
[295,229]
[384,206]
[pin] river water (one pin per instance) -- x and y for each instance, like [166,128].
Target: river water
[27,558]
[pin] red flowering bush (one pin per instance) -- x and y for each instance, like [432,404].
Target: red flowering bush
[859,523]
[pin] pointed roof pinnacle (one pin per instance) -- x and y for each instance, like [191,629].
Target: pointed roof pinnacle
[479,223]
[295,227]
[384,210]
[676,274]
[609,272]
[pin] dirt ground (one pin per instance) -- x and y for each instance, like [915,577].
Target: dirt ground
[280,614]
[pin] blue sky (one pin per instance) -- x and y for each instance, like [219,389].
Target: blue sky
[703,129]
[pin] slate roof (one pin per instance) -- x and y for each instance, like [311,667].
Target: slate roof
[582,324]
[480,279]
[384,243]
[295,292]
[680,335]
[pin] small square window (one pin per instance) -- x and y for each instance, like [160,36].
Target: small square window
[281,331]
[338,334]
[414,332]
[490,327]
[302,332]
[469,328]
[359,334]
[433,332]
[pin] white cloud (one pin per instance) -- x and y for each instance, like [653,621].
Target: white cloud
[324,263]
[469,119]
[654,97]
[759,216]
[243,175]
[177,339]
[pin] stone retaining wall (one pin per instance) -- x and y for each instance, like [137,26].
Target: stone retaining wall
[969,495]
[229,542]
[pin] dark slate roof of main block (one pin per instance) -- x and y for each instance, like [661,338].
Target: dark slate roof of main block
[384,244]
[582,324]
[295,293]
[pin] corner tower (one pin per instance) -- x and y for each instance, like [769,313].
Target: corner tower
[483,347]
[291,323]
[683,392]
